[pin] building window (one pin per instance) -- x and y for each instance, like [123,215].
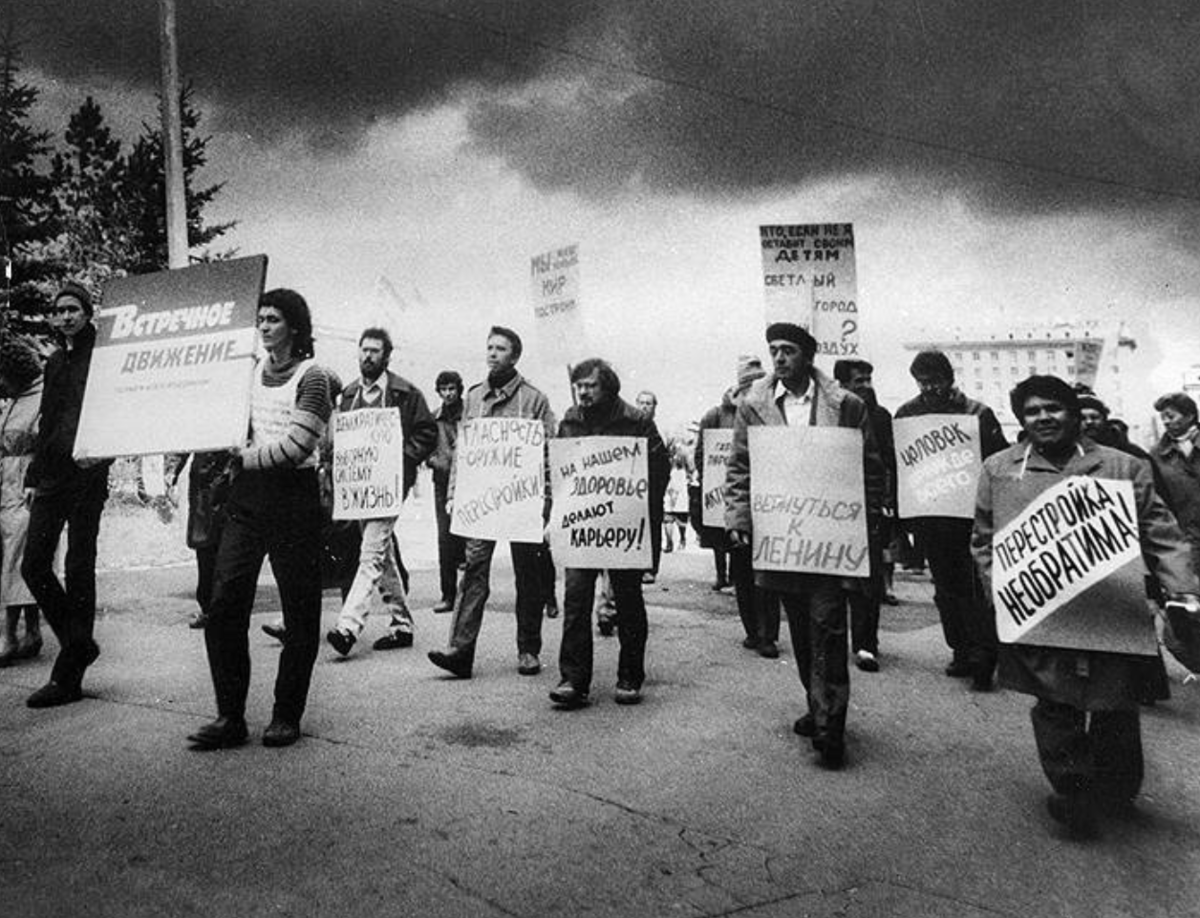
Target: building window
[974,355]
[995,355]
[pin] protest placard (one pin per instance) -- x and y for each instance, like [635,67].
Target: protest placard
[938,461]
[1067,571]
[368,464]
[718,444]
[807,500]
[809,279]
[499,479]
[173,362]
[601,493]
[1087,360]
[557,312]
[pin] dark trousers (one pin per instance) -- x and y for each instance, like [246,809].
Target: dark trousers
[206,569]
[817,622]
[864,598]
[277,515]
[575,651]
[757,608]
[1097,752]
[549,576]
[451,548]
[957,591]
[721,565]
[476,587]
[70,608]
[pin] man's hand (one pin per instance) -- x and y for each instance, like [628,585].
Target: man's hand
[29,493]
[739,539]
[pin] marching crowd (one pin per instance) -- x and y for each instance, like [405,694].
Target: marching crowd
[269,499]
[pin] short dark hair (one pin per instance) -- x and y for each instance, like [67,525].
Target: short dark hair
[1180,401]
[449,378]
[379,334]
[1048,387]
[294,309]
[843,369]
[932,363]
[513,338]
[609,381]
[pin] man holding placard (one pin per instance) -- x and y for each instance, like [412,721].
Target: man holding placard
[1061,529]
[804,485]
[498,492]
[606,463]
[389,415]
[942,462]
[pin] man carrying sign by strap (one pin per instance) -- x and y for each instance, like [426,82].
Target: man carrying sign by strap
[1085,720]
[798,394]
[378,568]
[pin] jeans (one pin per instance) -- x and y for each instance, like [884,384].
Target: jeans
[468,616]
[274,514]
[817,622]
[70,608]
[575,651]
[377,579]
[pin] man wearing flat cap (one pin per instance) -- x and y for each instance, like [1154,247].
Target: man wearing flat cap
[797,394]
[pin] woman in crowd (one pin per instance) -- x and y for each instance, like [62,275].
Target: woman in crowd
[274,510]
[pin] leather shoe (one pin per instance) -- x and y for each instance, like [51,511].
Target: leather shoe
[605,627]
[805,726]
[394,640]
[568,696]
[340,641]
[627,693]
[866,661]
[275,630]
[51,695]
[222,733]
[959,669]
[280,733]
[1075,812]
[528,664]
[445,605]
[198,621]
[750,643]
[451,663]
[551,610]
[769,650]
[833,755]
[29,648]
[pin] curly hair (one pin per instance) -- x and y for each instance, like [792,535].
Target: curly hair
[294,309]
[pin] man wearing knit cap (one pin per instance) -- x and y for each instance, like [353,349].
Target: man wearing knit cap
[798,395]
[63,492]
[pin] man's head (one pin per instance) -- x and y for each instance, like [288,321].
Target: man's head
[1177,411]
[1048,411]
[595,383]
[503,348]
[71,309]
[792,351]
[374,352]
[1093,417]
[749,370]
[647,403]
[934,376]
[854,375]
[449,387]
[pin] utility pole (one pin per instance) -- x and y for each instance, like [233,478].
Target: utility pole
[172,136]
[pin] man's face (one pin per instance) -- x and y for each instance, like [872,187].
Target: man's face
[1092,422]
[859,382]
[588,392]
[935,389]
[647,404]
[371,359]
[1176,422]
[68,316]
[791,364]
[500,353]
[1047,422]
[449,395]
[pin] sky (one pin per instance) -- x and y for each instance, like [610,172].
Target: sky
[1003,164]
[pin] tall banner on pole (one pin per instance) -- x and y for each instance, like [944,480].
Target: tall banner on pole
[499,480]
[809,278]
[174,357]
[557,311]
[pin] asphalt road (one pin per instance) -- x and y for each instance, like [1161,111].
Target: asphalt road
[416,794]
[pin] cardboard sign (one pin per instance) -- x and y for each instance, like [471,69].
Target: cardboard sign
[675,500]
[807,500]
[368,464]
[174,357]
[500,483]
[1068,571]
[809,279]
[938,463]
[554,292]
[601,490]
[718,444]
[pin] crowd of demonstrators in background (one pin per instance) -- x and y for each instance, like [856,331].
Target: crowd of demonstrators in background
[451,548]
[599,411]
[506,394]
[758,609]
[675,500]
[798,394]
[1097,424]
[21,389]
[865,596]
[946,541]
[647,403]
[377,579]
[65,493]
[1085,721]
[273,511]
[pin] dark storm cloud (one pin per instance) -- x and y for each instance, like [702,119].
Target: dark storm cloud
[1020,104]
